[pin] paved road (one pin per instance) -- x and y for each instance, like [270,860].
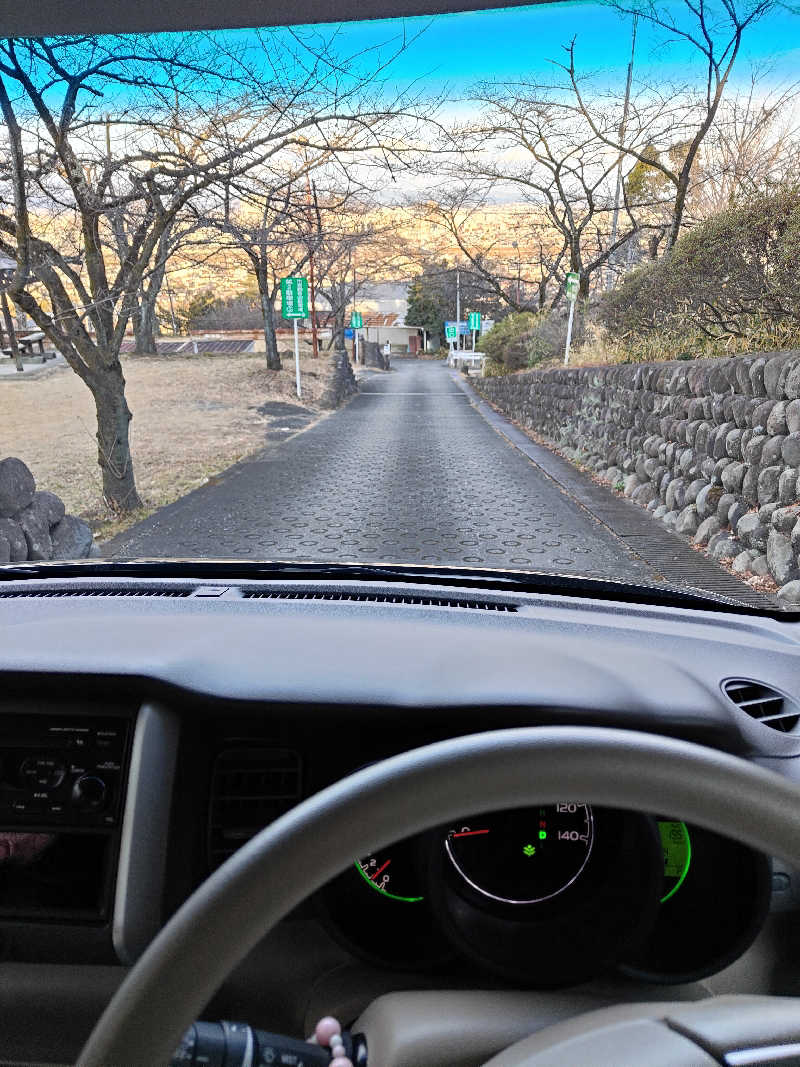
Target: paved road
[409,471]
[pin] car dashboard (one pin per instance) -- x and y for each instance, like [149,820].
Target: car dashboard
[148,731]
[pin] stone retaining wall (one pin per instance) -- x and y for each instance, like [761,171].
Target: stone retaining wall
[340,380]
[33,525]
[710,447]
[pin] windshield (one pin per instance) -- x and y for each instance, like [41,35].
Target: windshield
[512,289]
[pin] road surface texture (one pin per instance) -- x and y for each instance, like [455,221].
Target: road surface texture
[416,469]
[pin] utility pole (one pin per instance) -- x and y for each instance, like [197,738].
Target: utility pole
[314,344]
[622,131]
[171,308]
[458,308]
[355,347]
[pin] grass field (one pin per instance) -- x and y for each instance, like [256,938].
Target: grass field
[193,416]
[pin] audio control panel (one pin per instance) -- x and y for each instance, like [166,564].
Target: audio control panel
[62,771]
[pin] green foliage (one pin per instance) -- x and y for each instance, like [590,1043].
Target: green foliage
[505,342]
[425,308]
[525,339]
[730,279]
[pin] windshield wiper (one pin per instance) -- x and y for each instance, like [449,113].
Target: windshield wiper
[454,577]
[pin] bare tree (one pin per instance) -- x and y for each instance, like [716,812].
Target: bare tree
[715,31]
[459,213]
[51,92]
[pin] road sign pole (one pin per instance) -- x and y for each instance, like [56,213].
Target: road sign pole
[569,331]
[473,340]
[355,336]
[296,358]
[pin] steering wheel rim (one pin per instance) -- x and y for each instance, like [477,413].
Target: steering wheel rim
[237,905]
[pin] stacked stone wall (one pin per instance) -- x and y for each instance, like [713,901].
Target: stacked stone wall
[710,447]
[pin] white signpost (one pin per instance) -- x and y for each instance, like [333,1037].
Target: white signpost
[474,325]
[294,306]
[571,285]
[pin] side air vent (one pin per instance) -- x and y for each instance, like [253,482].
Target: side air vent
[763,703]
[379,598]
[250,787]
[60,593]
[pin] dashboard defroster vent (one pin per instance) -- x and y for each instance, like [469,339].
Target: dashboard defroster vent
[125,591]
[379,598]
[250,787]
[764,704]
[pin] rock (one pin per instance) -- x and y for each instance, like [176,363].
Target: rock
[644,494]
[676,494]
[707,500]
[631,482]
[5,551]
[754,448]
[793,416]
[752,531]
[768,485]
[735,512]
[654,503]
[733,477]
[687,521]
[784,519]
[49,505]
[12,532]
[733,444]
[766,511]
[707,528]
[790,593]
[741,564]
[726,501]
[787,486]
[772,452]
[693,489]
[781,559]
[72,539]
[16,486]
[792,383]
[790,450]
[670,518]
[750,485]
[34,524]
[726,548]
[776,422]
[94,551]
[760,566]
[660,511]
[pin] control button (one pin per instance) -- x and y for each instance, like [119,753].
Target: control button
[56,808]
[43,772]
[89,793]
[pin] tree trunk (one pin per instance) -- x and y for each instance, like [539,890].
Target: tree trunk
[268,315]
[144,324]
[113,446]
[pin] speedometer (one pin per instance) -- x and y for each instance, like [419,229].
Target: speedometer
[526,855]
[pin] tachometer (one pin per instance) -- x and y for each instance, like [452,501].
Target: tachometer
[526,855]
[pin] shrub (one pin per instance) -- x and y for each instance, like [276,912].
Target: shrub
[524,339]
[732,277]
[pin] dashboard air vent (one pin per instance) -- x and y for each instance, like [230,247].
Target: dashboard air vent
[60,593]
[250,787]
[379,598]
[763,703]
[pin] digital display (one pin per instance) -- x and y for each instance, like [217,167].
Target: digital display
[677,850]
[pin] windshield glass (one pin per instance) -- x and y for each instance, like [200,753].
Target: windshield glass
[513,289]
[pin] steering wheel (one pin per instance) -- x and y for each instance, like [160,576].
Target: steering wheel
[296,855]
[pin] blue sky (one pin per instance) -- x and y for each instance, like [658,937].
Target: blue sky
[456,50]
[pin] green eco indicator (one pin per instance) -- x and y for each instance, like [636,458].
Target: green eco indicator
[529,850]
[677,855]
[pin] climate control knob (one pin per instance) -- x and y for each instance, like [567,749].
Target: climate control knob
[89,793]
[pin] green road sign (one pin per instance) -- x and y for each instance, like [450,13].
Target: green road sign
[294,298]
[451,331]
[356,320]
[571,285]
[474,320]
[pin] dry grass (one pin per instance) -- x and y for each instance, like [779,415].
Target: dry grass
[194,416]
